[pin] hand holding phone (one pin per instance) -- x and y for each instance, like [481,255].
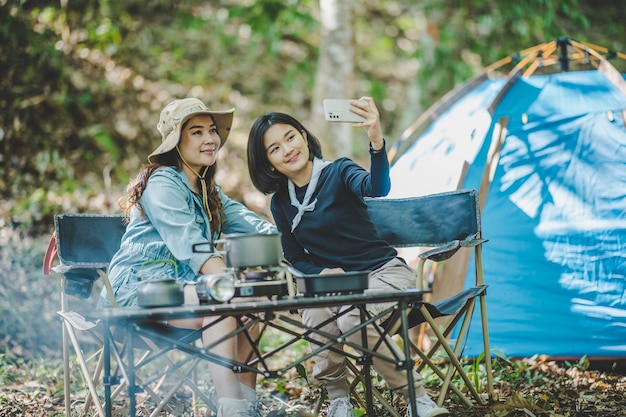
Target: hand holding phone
[338,110]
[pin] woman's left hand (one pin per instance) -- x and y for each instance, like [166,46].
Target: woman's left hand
[371,124]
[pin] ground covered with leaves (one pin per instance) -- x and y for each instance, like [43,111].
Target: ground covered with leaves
[31,373]
[529,387]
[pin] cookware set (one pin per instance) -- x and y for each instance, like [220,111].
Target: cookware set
[254,267]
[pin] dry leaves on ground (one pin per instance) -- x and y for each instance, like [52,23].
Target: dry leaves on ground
[536,387]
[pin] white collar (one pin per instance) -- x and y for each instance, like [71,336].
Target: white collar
[318,165]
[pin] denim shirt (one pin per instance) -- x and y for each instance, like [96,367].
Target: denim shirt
[158,243]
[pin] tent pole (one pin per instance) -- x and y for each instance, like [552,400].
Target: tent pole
[497,139]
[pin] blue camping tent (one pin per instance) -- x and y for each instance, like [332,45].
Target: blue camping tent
[547,153]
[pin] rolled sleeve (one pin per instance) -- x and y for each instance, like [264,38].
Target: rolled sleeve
[240,219]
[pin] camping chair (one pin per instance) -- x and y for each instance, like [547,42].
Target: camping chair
[448,222]
[84,244]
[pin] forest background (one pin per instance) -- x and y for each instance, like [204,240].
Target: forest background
[82,83]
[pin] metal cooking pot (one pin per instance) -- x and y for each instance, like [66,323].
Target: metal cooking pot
[247,250]
[251,250]
[160,292]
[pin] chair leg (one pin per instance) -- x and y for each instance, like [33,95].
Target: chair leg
[449,352]
[66,350]
[93,379]
[96,377]
[437,344]
[480,280]
[433,366]
[66,371]
[457,349]
[375,392]
[487,348]
[83,365]
[183,377]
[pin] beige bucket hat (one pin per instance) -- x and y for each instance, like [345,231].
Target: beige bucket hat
[176,113]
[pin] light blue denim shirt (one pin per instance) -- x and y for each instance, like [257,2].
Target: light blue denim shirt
[173,222]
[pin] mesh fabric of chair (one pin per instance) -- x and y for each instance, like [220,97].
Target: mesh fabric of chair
[446,222]
[84,245]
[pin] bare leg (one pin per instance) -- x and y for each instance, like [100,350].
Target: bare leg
[228,386]
[229,381]
[243,354]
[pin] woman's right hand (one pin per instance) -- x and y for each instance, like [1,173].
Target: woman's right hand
[372,121]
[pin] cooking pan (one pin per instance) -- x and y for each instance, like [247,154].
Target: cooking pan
[246,250]
[353,282]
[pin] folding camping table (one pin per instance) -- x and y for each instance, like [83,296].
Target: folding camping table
[138,323]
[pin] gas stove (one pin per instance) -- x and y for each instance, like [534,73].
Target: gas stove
[261,281]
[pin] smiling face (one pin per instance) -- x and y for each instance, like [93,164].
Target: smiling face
[199,142]
[288,152]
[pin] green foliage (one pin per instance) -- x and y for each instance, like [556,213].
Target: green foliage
[275,20]
[582,364]
[302,372]
[484,31]
[83,81]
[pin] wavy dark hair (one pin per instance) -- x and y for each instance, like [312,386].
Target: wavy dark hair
[259,167]
[137,186]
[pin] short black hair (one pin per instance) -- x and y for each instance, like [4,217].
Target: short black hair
[259,167]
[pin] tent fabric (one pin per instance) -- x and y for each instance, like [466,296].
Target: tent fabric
[554,213]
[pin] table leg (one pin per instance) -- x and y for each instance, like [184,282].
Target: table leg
[367,363]
[131,370]
[407,357]
[106,381]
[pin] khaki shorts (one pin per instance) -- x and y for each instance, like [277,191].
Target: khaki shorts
[395,275]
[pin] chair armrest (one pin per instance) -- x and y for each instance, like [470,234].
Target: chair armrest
[441,253]
[107,285]
[470,243]
[51,254]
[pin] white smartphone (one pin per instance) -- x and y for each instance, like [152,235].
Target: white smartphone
[338,110]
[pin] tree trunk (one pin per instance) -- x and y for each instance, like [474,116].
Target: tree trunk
[335,75]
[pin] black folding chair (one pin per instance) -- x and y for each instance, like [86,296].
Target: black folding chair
[84,245]
[445,222]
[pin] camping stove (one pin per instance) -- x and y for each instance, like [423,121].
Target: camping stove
[260,281]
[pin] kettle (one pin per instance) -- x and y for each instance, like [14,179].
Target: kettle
[160,292]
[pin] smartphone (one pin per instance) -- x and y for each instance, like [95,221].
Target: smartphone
[338,110]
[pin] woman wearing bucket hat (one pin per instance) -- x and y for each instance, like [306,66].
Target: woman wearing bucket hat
[172,203]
